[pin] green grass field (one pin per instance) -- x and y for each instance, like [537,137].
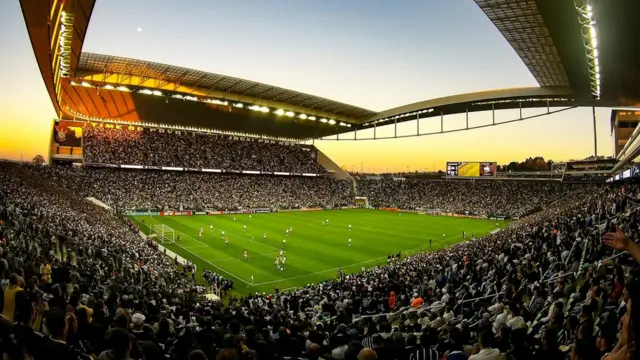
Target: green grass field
[314,252]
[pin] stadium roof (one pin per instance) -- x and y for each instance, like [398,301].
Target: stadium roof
[552,37]
[587,45]
[269,94]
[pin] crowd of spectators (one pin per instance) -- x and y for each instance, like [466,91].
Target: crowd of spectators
[124,189]
[76,282]
[179,148]
[514,198]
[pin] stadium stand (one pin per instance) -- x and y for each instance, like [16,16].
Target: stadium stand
[510,198]
[174,148]
[200,191]
[79,273]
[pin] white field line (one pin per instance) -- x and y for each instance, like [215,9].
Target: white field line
[251,257]
[339,267]
[207,261]
[194,247]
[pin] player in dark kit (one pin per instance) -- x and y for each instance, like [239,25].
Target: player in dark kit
[430,242]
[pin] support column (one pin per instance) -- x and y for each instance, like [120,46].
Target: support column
[595,134]
[395,128]
[520,106]
[493,112]
[467,117]
[441,121]
[417,124]
[374,131]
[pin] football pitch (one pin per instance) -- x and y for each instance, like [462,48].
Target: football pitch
[314,252]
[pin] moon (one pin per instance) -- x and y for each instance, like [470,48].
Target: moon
[139,29]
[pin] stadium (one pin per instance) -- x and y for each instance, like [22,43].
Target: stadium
[184,214]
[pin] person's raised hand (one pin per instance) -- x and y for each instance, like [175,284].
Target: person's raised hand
[617,240]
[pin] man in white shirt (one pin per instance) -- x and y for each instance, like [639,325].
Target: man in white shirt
[486,352]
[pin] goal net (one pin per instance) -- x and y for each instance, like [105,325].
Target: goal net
[362,202]
[163,233]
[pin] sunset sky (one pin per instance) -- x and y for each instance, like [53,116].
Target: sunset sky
[371,53]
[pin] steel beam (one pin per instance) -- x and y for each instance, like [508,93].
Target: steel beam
[595,133]
[442,131]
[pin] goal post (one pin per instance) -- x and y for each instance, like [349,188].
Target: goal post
[163,233]
[362,202]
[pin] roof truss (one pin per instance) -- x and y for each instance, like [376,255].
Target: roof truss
[521,23]
[113,64]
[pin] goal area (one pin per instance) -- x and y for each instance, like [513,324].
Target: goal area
[163,233]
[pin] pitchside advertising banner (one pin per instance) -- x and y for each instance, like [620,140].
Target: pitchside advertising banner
[471,168]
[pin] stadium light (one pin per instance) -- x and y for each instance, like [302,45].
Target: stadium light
[323,120]
[279,112]
[123,88]
[65,40]
[302,116]
[191,98]
[86,84]
[590,42]
[312,118]
[156,93]
[238,105]
[332,122]
[109,87]
[289,113]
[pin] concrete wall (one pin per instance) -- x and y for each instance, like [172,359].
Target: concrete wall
[334,169]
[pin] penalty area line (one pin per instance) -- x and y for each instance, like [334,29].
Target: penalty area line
[334,269]
[209,262]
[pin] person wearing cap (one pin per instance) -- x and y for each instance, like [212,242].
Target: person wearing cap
[141,331]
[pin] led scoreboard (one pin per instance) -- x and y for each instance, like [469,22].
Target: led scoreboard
[471,168]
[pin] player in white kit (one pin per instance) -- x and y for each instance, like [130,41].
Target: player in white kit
[264,236]
[244,228]
[349,242]
[249,216]
[222,232]
[246,255]
[349,227]
[226,242]
[200,234]
[284,242]
[210,227]
[286,232]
